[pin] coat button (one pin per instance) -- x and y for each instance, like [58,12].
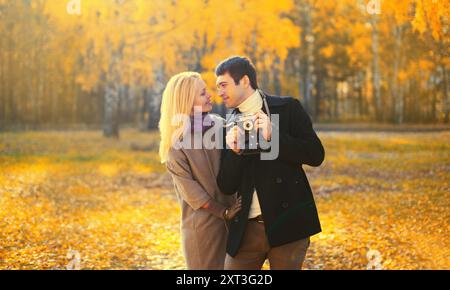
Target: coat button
[285,205]
[279,180]
[236,219]
[296,182]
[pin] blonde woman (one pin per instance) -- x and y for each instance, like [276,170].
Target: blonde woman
[204,209]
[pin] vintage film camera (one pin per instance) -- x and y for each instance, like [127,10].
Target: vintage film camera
[247,123]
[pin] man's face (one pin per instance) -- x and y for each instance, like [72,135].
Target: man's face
[231,94]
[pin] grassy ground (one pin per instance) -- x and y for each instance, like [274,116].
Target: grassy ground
[75,199]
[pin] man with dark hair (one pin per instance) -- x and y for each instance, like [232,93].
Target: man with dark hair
[278,210]
[237,67]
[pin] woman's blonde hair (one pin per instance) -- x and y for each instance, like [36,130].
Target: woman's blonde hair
[177,99]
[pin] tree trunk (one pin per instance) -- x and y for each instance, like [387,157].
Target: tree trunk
[3,110]
[143,110]
[397,100]
[336,102]
[307,58]
[111,113]
[10,82]
[445,91]
[319,93]
[111,99]
[359,88]
[154,101]
[376,91]
[276,76]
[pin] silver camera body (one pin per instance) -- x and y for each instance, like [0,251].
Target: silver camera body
[246,122]
[251,134]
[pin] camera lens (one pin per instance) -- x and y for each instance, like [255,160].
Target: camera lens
[248,125]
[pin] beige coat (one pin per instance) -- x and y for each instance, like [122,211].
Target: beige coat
[203,235]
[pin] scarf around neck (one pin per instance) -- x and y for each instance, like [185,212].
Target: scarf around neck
[252,104]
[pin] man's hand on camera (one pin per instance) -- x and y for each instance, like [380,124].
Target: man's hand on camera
[263,123]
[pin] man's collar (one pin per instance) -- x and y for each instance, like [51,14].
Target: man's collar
[272,101]
[252,104]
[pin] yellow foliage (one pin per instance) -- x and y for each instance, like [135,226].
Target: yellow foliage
[74,194]
[327,51]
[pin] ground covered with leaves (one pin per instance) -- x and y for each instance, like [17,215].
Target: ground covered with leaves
[76,200]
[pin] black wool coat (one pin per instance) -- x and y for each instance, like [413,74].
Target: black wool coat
[284,193]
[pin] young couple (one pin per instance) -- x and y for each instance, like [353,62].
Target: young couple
[238,209]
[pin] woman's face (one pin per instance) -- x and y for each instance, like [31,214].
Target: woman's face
[202,98]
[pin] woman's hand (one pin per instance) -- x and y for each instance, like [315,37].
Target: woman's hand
[232,211]
[217,209]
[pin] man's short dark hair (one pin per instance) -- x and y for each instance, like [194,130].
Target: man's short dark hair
[238,67]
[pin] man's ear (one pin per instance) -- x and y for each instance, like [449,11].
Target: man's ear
[245,81]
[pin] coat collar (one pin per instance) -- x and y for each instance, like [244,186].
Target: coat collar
[272,101]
